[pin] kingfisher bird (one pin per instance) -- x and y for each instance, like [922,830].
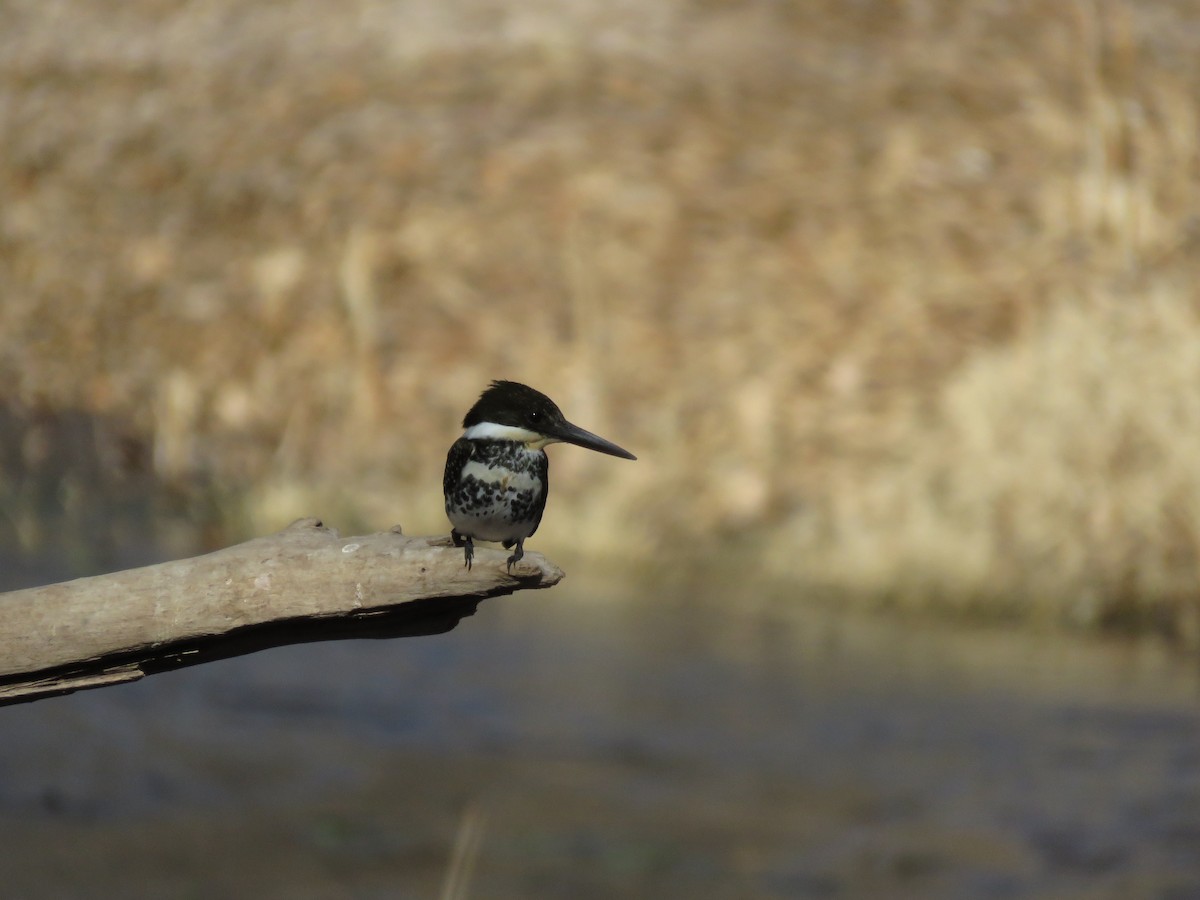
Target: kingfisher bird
[497,473]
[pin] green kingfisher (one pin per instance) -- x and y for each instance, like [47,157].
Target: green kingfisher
[497,473]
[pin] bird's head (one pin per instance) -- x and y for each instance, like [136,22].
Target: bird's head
[511,411]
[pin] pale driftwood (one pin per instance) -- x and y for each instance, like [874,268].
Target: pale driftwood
[303,584]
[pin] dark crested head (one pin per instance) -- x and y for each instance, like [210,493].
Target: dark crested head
[515,404]
[514,408]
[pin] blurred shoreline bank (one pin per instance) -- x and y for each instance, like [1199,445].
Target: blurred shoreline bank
[901,300]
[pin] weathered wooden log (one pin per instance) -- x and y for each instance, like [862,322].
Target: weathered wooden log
[303,584]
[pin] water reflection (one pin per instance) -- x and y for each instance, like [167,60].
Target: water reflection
[650,748]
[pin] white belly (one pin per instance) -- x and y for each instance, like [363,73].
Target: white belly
[490,524]
[488,513]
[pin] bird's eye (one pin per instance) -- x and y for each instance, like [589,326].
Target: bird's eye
[535,416]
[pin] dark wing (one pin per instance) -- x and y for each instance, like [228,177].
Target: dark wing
[543,472]
[460,453]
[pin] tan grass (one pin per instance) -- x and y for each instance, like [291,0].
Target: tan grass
[900,296]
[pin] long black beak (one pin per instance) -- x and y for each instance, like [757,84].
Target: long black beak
[573,434]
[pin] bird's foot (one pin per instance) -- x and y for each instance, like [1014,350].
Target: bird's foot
[516,556]
[464,541]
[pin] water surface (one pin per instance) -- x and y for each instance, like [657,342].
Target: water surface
[622,745]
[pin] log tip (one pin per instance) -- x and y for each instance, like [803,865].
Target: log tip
[536,571]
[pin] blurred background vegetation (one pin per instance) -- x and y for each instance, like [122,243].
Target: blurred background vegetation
[896,300]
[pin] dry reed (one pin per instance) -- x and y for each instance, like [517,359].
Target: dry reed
[900,296]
